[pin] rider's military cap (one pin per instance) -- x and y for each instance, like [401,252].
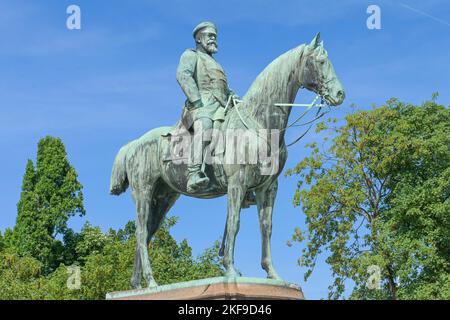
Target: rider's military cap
[203,25]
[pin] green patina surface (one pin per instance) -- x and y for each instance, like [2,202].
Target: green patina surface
[156,184]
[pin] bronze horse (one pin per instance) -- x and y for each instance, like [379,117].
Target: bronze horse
[156,183]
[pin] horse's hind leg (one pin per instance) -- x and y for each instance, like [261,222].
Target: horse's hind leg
[137,270]
[151,211]
[143,199]
[162,200]
[265,199]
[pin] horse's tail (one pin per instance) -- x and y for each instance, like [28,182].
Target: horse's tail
[119,180]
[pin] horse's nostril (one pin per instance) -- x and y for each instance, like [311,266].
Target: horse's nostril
[341,94]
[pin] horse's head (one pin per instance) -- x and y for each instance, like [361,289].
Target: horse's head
[318,73]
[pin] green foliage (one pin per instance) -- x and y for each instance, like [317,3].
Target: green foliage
[91,240]
[106,264]
[379,195]
[51,194]
[110,269]
[18,276]
[127,232]
[34,263]
[8,240]
[173,262]
[57,187]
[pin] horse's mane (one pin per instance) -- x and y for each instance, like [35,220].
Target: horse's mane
[274,80]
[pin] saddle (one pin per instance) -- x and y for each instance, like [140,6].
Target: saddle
[182,129]
[174,137]
[176,151]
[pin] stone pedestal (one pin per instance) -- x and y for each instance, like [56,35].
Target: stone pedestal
[220,288]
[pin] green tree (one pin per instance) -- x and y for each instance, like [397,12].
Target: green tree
[379,196]
[51,194]
[106,264]
[34,256]
[19,276]
[127,232]
[8,240]
[2,242]
[111,268]
[25,208]
[91,241]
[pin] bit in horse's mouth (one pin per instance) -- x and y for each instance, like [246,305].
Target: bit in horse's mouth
[330,100]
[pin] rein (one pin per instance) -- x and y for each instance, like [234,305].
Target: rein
[308,106]
[293,124]
[311,122]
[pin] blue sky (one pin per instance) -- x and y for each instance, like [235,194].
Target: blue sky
[108,83]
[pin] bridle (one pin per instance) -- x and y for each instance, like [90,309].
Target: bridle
[314,104]
[319,114]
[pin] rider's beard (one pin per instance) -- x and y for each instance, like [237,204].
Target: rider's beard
[210,47]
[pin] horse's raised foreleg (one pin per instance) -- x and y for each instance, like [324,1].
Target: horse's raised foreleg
[236,194]
[265,199]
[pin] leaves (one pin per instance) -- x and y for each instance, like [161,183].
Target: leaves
[50,195]
[379,195]
[35,256]
[106,264]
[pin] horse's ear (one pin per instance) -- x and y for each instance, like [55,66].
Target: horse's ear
[315,42]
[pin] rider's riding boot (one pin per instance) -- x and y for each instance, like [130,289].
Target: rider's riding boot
[196,178]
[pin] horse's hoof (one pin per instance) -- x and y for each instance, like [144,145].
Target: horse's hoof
[273,275]
[151,284]
[232,273]
[276,277]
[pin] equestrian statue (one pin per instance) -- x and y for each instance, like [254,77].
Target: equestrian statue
[159,166]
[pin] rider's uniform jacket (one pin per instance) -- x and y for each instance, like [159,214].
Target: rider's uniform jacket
[201,77]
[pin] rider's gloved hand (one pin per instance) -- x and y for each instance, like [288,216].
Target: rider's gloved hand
[233,95]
